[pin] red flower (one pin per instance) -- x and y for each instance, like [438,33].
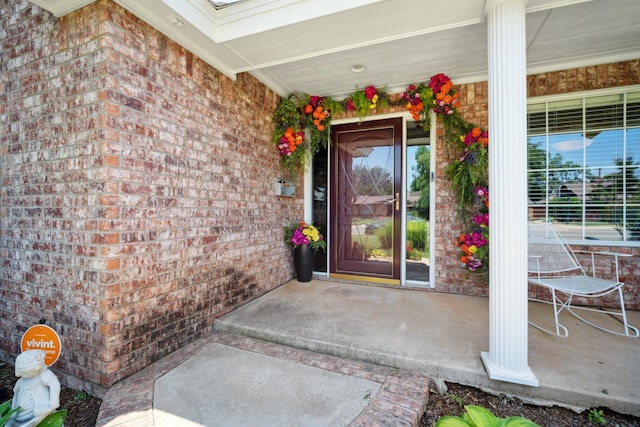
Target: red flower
[314,100]
[437,82]
[350,105]
[370,92]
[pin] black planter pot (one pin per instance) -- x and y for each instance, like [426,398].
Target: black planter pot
[304,257]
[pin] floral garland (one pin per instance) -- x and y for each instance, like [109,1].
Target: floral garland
[293,115]
[468,173]
[415,97]
[362,102]
[474,243]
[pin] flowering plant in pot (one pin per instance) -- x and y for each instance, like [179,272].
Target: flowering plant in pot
[301,233]
[305,240]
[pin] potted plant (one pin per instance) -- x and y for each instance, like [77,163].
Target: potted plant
[305,239]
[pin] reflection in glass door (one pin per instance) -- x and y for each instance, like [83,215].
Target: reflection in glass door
[366,199]
[418,182]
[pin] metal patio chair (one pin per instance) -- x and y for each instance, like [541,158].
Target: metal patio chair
[552,264]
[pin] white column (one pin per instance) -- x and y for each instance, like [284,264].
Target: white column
[507,358]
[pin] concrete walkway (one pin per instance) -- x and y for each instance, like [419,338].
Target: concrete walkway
[232,380]
[376,348]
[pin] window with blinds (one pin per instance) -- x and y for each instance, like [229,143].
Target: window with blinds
[584,165]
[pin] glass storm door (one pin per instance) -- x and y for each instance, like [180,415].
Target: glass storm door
[366,199]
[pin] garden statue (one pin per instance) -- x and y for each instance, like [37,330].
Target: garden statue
[37,391]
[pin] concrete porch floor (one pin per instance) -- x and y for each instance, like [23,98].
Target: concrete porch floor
[282,358]
[442,335]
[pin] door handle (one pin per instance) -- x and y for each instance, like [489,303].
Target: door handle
[397,200]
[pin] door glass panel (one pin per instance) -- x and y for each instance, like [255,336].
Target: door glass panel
[366,201]
[417,203]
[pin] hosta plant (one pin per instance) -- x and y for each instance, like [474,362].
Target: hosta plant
[477,416]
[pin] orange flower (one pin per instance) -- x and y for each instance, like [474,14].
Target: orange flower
[308,109]
[318,113]
[320,127]
[476,132]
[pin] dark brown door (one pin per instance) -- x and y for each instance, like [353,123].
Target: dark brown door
[365,198]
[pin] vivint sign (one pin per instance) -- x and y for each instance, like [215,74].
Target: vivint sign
[42,337]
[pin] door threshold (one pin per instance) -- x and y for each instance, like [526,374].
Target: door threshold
[368,279]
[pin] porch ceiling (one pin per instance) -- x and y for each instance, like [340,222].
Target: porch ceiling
[306,45]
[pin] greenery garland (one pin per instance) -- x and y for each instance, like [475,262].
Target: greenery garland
[468,172]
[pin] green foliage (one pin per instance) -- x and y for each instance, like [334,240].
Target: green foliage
[422,180]
[417,234]
[415,255]
[333,106]
[81,396]
[596,416]
[361,102]
[289,115]
[6,412]
[456,399]
[363,105]
[466,173]
[477,416]
[385,233]
[372,180]
[294,231]
[426,95]
[55,419]
[565,209]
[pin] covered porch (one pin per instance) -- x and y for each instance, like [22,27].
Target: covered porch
[348,327]
[442,335]
[403,338]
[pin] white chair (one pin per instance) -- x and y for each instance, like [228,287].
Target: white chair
[554,265]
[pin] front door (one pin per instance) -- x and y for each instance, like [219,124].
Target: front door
[366,199]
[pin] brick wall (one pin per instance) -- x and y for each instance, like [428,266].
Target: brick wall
[450,276]
[137,190]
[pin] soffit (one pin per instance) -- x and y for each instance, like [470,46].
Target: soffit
[307,45]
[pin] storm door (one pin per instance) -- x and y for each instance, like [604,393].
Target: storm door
[366,199]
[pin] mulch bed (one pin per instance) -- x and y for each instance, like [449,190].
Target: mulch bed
[503,406]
